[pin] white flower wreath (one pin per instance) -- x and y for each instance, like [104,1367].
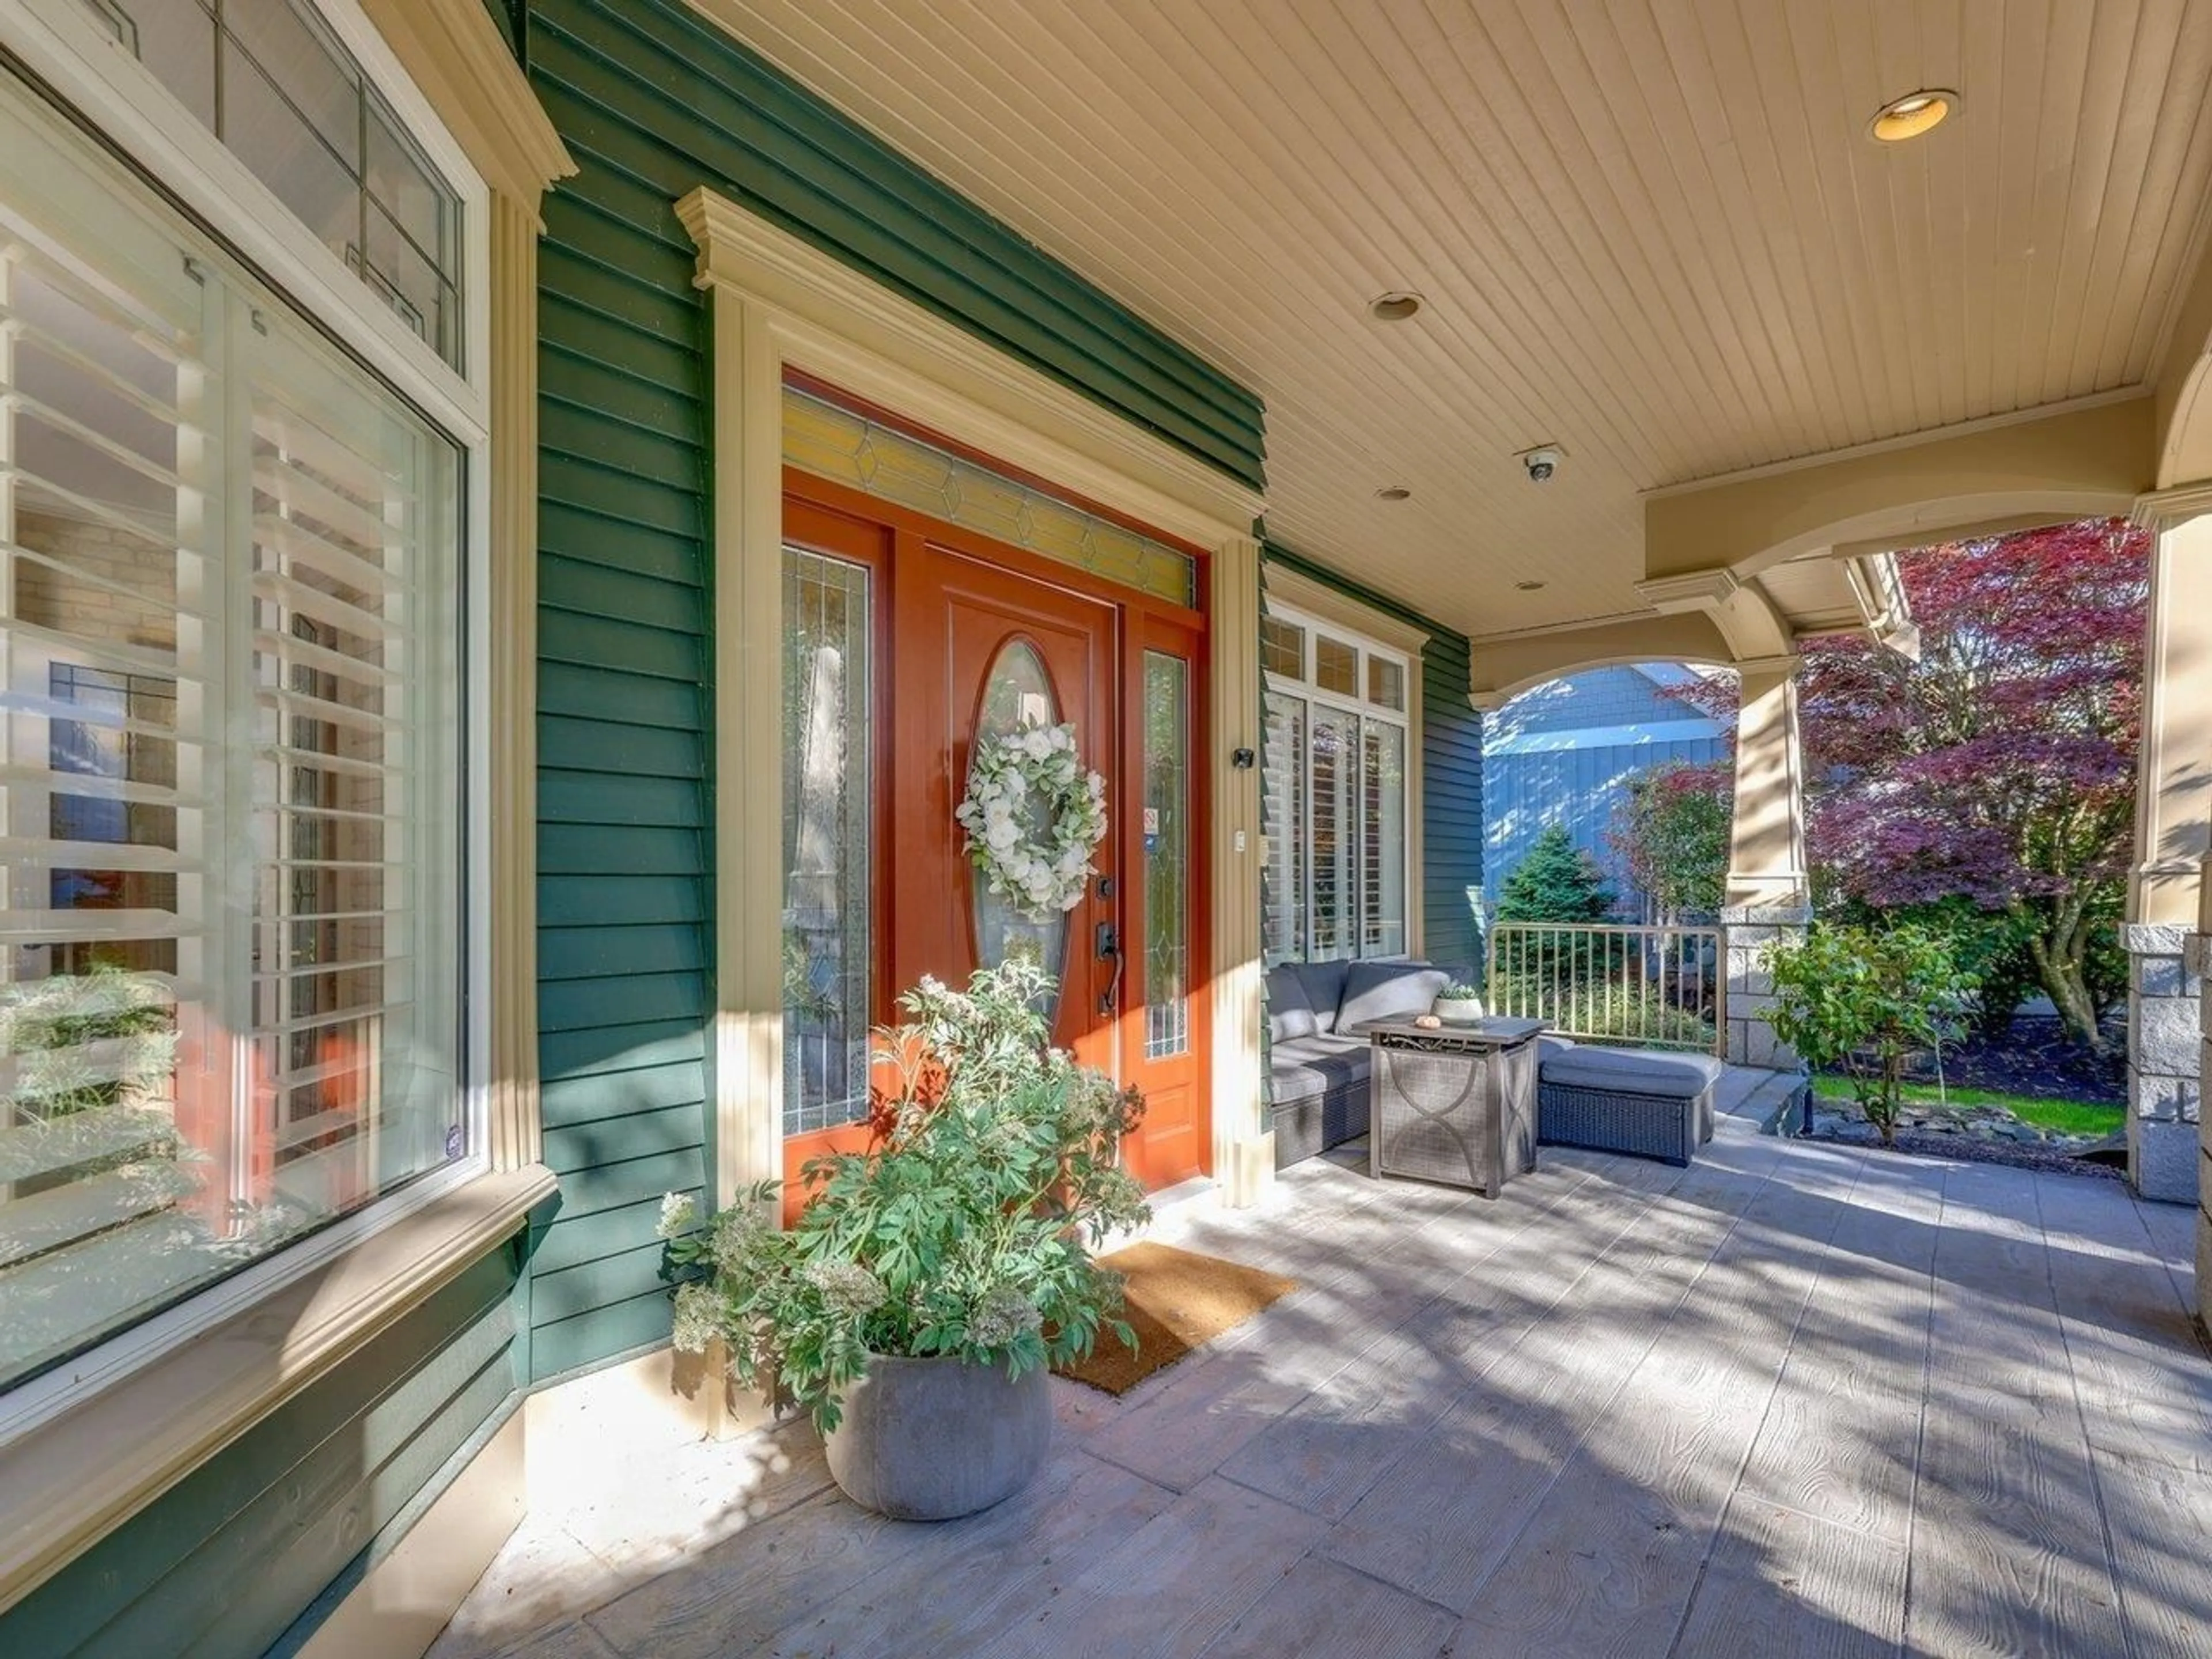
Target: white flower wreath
[1035,767]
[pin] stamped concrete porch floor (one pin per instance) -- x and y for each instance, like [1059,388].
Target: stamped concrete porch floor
[1793,1400]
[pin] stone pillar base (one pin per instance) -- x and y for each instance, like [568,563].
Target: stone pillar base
[1748,931]
[2166,1058]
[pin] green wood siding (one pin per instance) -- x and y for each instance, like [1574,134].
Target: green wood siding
[1451,773]
[653,103]
[227,1560]
[625,896]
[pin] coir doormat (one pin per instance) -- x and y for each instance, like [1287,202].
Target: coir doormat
[1177,1300]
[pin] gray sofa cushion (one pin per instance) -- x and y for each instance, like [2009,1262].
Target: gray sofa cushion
[1305,1067]
[1290,1014]
[1547,1045]
[1324,983]
[1633,1072]
[1387,990]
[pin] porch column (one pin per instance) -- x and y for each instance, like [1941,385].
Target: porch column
[1769,897]
[1243,1146]
[2164,933]
[2199,963]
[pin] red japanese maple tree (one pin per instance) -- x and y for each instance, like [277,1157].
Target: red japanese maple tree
[2001,767]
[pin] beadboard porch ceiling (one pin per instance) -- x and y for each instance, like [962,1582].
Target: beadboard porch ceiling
[1652,232]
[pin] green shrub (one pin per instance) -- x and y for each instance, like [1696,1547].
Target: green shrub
[1859,1001]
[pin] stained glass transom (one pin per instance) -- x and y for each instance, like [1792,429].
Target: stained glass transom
[833,442]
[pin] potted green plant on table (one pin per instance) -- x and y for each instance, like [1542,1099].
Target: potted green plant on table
[1864,1001]
[915,1304]
[1459,1000]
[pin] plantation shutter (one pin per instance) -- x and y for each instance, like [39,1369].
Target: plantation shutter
[110,625]
[349,638]
[229,656]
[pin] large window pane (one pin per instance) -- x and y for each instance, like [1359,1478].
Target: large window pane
[1167,856]
[1336,665]
[1333,833]
[290,102]
[229,762]
[1386,683]
[1333,795]
[1382,855]
[827,848]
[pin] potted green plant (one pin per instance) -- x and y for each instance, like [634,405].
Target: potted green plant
[1861,1001]
[915,1304]
[1458,1000]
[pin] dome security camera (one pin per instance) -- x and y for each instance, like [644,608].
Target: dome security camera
[1542,463]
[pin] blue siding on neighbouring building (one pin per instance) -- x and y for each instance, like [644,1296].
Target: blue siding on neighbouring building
[1564,753]
[1451,773]
[228,1559]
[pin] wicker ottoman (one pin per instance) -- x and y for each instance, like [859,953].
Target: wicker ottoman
[1637,1101]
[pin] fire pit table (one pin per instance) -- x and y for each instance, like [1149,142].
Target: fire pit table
[1453,1102]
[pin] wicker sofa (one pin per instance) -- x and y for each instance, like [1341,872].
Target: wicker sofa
[1640,1101]
[1317,1077]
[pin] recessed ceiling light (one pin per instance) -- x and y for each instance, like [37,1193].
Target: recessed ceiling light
[1527,587]
[1393,493]
[1916,112]
[1394,306]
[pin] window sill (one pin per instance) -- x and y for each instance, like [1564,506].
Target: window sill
[72,1481]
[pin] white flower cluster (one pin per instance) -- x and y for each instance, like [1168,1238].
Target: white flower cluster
[1001,1315]
[1026,774]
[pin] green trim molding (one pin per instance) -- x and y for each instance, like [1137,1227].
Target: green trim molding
[1451,768]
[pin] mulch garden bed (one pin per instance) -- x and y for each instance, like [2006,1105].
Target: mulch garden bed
[2036,1057]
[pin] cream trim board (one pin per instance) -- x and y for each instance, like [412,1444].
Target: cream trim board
[1903,440]
[509,700]
[838,325]
[402,1602]
[1299,591]
[67,1486]
[1416,814]
[453,53]
[1233,654]
[2158,508]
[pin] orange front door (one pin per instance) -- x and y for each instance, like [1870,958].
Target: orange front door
[985,651]
[978,640]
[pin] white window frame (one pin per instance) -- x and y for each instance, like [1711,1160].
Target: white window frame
[1304,687]
[58,42]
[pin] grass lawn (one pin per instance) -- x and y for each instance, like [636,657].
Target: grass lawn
[2068,1117]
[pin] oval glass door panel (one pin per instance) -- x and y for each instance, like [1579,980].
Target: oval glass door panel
[1017,692]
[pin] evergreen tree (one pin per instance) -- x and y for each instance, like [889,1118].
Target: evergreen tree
[1555,881]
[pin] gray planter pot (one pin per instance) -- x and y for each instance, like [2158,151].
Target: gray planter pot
[1457,1008]
[929,1439]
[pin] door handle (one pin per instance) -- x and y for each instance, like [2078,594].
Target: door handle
[1107,942]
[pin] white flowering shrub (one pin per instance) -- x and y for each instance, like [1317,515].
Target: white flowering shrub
[1016,781]
[966,1230]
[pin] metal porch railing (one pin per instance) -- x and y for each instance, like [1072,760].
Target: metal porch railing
[1658,988]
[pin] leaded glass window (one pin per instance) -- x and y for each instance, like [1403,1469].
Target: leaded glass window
[827,909]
